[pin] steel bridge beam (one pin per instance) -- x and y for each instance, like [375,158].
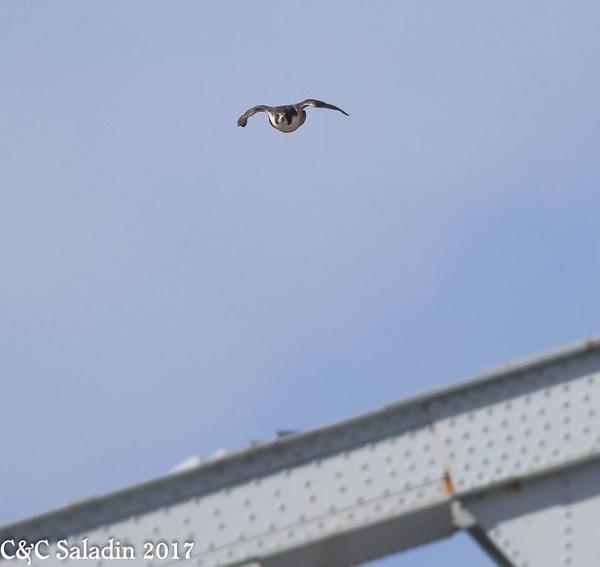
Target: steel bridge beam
[512,456]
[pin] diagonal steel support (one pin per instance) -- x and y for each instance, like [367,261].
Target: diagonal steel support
[464,520]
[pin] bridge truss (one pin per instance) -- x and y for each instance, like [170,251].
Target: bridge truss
[512,457]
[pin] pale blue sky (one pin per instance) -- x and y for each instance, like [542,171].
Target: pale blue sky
[172,284]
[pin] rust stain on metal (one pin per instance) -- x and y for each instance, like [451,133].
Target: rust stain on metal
[448,484]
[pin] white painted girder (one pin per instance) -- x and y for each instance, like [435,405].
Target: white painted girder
[374,484]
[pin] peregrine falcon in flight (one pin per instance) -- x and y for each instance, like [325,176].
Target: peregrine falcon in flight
[286,118]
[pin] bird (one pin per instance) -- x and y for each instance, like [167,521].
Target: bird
[286,118]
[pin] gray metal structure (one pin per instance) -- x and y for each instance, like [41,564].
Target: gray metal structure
[511,456]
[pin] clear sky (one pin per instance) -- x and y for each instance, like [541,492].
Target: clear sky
[171,284]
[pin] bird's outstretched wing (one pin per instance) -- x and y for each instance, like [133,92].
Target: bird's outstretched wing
[243,119]
[319,104]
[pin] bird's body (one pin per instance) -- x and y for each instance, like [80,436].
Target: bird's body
[286,118]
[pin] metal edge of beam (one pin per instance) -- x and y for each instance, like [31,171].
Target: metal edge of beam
[368,543]
[519,365]
[515,480]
